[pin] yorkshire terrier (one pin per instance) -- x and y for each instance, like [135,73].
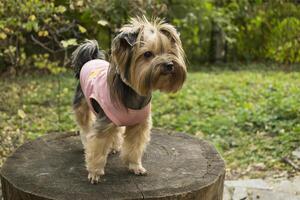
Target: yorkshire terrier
[112,102]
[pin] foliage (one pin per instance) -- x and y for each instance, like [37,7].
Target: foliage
[41,34]
[103,18]
[249,29]
[259,36]
[195,21]
[284,44]
[251,116]
[34,32]
[253,30]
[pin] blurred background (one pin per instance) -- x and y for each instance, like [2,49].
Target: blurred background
[38,34]
[243,87]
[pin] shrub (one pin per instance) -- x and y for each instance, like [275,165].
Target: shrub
[284,43]
[40,34]
[33,32]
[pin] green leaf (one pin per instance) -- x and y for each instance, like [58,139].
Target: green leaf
[21,114]
[81,29]
[103,22]
[2,36]
[60,9]
[69,42]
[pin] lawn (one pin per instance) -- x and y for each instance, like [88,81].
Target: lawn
[252,117]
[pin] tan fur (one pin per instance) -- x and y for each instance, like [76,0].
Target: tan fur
[143,75]
[117,141]
[84,118]
[135,140]
[96,151]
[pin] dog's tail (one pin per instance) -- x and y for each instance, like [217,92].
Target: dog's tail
[87,51]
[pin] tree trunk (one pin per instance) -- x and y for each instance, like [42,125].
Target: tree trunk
[217,44]
[52,167]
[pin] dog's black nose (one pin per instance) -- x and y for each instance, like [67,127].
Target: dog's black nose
[168,67]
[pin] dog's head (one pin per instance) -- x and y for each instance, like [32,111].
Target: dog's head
[149,56]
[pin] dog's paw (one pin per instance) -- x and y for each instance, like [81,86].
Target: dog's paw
[94,177]
[137,169]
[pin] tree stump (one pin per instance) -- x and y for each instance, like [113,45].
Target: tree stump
[52,167]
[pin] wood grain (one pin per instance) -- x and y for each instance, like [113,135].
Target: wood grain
[52,167]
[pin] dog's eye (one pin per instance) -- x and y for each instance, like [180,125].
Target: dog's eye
[148,54]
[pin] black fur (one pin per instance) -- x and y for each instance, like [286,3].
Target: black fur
[87,51]
[127,67]
[128,38]
[127,95]
[78,96]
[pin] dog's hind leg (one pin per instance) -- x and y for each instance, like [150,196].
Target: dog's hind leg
[84,118]
[135,140]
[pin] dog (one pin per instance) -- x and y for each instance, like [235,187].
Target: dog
[112,102]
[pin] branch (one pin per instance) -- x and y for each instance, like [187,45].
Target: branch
[41,44]
[47,48]
[290,162]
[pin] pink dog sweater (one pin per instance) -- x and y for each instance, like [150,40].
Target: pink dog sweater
[93,81]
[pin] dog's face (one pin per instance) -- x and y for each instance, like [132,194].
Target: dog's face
[149,56]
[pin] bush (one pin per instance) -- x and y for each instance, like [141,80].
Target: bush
[33,32]
[284,44]
[259,31]
[38,34]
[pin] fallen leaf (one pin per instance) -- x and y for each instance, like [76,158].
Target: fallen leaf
[21,113]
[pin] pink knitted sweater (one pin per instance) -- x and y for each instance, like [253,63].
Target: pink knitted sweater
[93,81]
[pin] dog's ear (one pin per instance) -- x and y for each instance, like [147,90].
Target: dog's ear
[128,38]
[121,51]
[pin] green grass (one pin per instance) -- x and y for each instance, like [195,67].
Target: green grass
[250,116]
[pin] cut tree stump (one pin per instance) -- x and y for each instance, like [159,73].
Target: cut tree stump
[52,167]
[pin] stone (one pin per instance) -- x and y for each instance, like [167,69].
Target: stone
[250,183]
[270,195]
[296,153]
[240,193]
[288,186]
[296,182]
[226,194]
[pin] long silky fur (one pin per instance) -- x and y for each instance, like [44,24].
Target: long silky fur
[131,79]
[87,51]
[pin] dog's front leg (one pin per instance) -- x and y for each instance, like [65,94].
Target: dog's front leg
[135,140]
[98,145]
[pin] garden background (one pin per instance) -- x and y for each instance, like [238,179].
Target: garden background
[243,87]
